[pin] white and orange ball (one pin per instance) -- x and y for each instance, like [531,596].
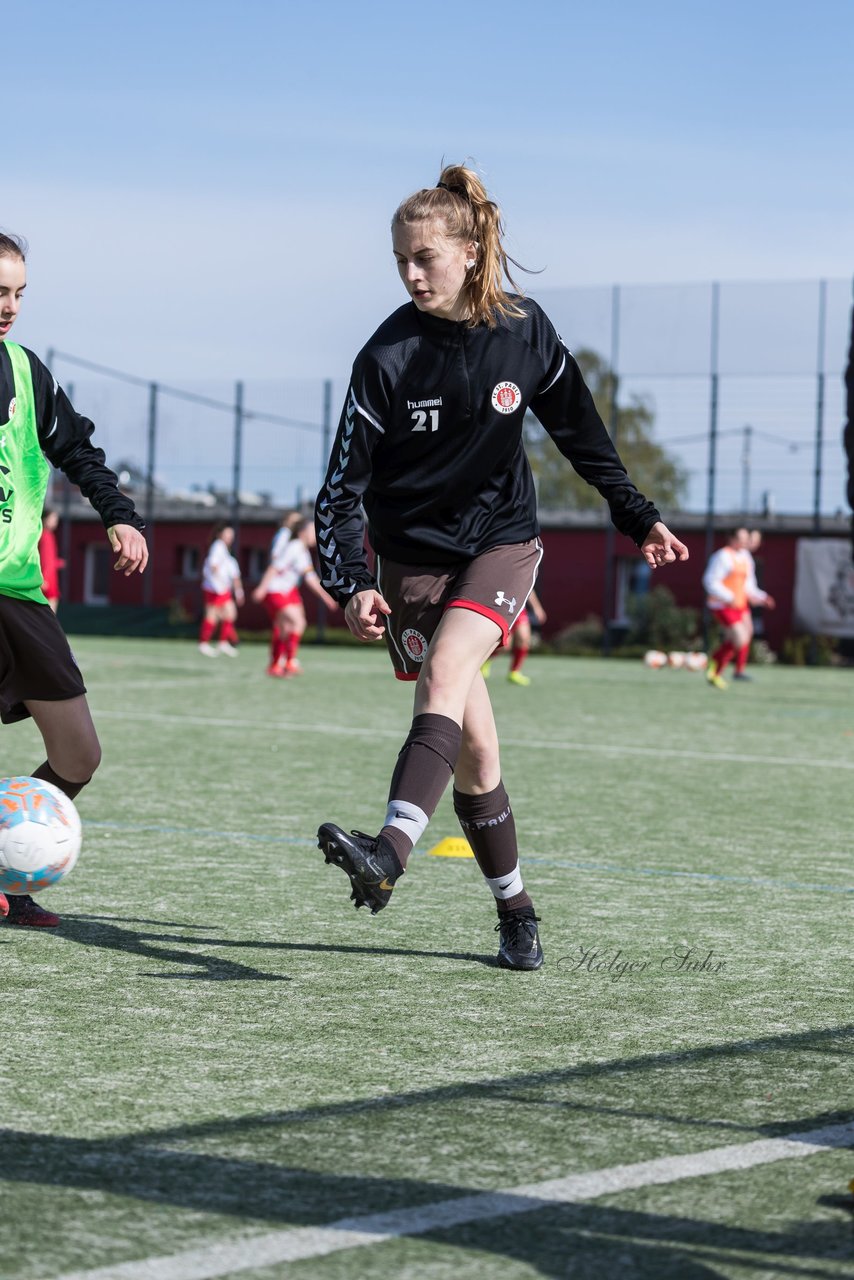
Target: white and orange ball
[655,658]
[696,661]
[40,835]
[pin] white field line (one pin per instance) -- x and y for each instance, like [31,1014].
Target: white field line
[535,744]
[193,675]
[299,1243]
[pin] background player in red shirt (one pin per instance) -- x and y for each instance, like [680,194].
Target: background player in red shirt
[49,557]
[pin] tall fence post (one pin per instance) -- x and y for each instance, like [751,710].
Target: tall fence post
[613,427]
[151,462]
[65,571]
[747,440]
[819,407]
[236,479]
[713,439]
[65,542]
[326,433]
[326,445]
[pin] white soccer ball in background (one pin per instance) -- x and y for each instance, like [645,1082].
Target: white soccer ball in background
[696,661]
[676,659]
[40,835]
[655,658]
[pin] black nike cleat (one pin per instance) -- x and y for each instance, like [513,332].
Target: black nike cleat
[371,865]
[520,941]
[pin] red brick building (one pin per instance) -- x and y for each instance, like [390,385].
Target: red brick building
[572,580]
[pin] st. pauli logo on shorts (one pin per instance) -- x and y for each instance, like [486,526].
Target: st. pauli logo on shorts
[12,404]
[414,644]
[506,397]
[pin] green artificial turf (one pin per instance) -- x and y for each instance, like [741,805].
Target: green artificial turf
[215,1045]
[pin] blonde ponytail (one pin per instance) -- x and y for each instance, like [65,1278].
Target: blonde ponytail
[460,200]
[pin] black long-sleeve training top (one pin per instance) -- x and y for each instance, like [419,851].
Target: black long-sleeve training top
[430,442]
[65,439]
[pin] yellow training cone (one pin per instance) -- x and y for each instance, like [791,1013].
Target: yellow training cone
[452,847]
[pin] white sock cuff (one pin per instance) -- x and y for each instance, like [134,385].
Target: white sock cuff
[408,818]
[506,886]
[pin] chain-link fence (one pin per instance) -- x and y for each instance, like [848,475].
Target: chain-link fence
[744,381]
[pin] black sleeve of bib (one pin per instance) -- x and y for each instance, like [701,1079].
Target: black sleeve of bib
[565,408]
[339,518]
[66,440]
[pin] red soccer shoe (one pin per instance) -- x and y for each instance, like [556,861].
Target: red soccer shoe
[22,910]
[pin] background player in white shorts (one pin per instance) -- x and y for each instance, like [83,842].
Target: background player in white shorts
[290,566]
[222,591]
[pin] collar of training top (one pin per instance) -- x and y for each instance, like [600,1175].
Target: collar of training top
[437,324]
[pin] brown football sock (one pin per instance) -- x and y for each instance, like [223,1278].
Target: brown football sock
[423,770]
[487,821]
[47,774]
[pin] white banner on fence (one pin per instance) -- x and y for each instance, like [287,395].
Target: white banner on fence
[824,587]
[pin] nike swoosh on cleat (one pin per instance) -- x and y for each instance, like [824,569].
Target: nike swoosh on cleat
[384,884]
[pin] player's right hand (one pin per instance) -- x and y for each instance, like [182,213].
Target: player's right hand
[130,546]
[364,613]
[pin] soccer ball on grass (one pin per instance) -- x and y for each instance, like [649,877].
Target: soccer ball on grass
[40,835]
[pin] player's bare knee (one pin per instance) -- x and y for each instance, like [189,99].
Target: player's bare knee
[439,682]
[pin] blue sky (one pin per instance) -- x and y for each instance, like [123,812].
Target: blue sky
[207,187]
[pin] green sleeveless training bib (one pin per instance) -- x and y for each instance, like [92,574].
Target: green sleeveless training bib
[23,484]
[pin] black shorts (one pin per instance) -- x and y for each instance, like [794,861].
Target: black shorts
[36,662]
[495,584]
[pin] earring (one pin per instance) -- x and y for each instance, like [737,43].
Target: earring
[471,263]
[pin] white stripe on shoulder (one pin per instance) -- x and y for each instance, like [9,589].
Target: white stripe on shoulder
[56,419]
[367,416]
[555,378]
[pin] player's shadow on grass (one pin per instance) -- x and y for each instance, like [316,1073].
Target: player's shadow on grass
[96,932]
[579,1239]
[558,1241]
[161,924]
[833,1041]
[103,931]
[346,949]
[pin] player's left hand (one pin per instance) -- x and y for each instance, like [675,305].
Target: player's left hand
[130,546]
[662,547]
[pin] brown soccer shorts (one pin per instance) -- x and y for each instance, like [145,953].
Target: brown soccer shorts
[495,584]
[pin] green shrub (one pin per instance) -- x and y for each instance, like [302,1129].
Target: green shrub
[658,622]
[808,651]
[580,639]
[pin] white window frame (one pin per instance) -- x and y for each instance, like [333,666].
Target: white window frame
[90,557]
